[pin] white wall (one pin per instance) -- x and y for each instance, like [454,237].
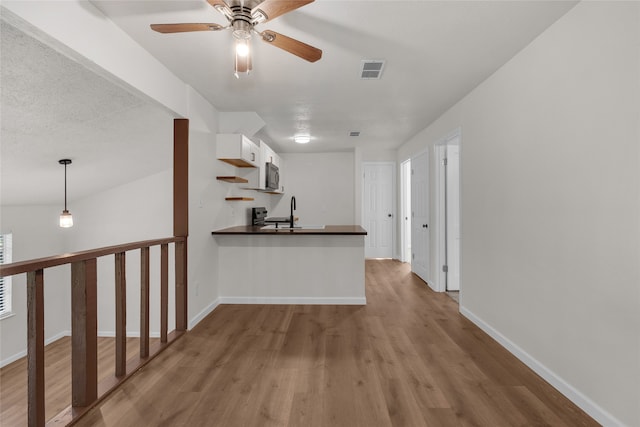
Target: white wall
[323,184]
[550,206]
[36,234]
[139,210]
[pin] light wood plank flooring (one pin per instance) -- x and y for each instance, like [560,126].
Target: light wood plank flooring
[13,379]
[407,358]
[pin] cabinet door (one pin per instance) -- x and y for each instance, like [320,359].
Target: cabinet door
[237,150]
[249,151]
[270,155]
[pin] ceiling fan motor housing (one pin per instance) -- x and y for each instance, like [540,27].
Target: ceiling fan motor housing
[242,21]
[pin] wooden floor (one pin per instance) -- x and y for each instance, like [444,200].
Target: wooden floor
[407,358]
[13,379]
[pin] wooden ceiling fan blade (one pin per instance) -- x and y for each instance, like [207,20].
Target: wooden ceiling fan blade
[183,28]
[270,9]
[296,47]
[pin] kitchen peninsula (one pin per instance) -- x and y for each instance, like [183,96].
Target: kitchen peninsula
[315,265]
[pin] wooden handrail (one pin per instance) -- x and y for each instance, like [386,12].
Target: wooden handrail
[86,391]
[56,260]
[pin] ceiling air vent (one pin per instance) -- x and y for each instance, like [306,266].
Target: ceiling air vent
[354,133]
[371,69]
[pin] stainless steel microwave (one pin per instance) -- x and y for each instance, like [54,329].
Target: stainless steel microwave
[273,177]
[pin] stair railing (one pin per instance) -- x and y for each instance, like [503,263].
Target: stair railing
[86,391]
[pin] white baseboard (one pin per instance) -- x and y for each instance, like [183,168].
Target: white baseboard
[23,353]
[293,300]
[582,401]
[204,313]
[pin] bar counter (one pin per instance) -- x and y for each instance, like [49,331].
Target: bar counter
[300,266]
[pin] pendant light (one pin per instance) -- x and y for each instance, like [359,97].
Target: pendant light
[66,220]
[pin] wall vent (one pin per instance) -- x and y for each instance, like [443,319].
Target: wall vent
[371,69]
[354,133]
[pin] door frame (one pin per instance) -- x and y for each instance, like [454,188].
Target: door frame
[405,210]
[394,208]
[440,209]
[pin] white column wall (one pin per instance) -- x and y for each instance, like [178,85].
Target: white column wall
[550,170]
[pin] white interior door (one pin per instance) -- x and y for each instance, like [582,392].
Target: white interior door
[453,216]
[378,209]
[420,216]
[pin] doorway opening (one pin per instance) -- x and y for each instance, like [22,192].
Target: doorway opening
[448,212]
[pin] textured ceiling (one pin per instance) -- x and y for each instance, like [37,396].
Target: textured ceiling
[54,108]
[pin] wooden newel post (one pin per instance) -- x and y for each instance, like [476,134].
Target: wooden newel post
[181,215]
[84,332]
[35,348]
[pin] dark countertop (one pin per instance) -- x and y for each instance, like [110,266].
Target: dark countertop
[335,230]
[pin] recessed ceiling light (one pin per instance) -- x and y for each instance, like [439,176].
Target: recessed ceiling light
[302,139]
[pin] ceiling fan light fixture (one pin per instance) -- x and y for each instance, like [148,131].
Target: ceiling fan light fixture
[243,16]
[242,48]
[242,63]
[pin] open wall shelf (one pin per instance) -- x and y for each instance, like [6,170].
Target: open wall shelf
[235,179]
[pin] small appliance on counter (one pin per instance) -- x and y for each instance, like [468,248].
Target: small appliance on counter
[259,217]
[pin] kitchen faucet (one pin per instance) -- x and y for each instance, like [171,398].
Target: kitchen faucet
[293,208]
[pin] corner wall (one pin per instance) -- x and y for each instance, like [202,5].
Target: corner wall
[550,166]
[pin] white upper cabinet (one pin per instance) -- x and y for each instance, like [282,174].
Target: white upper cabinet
[257,177]
[242,152]
[268,155]
[238,150]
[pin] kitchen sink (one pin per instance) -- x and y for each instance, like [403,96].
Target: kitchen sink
[295,227]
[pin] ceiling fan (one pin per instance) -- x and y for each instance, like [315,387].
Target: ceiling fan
[243,16]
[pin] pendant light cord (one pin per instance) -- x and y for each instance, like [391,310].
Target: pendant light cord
[65,162]
[65,186]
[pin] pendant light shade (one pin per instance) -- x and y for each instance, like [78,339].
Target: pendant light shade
[66,220]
